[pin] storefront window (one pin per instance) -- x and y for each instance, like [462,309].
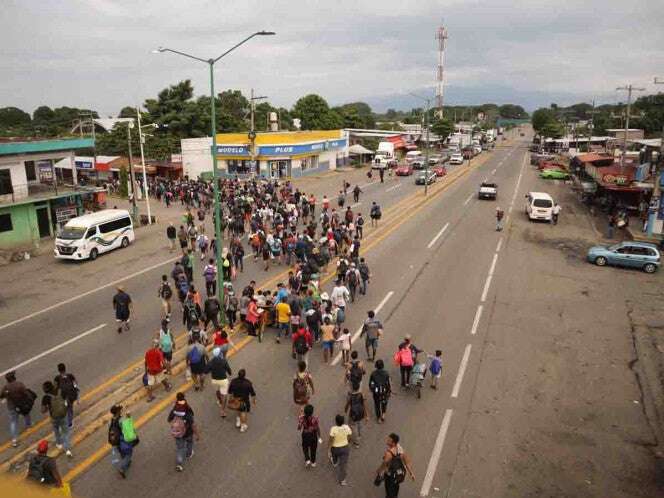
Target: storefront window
[309,163]
[239,167]
[278,169]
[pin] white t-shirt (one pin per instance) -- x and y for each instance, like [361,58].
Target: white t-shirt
[344,339]
[338,296]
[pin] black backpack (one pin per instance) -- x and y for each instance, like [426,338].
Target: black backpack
[356,407]
[192,313]
[352,278]
[68,389]
[114,433]
[301,344]
[37,470]
[396,469]
[355,373]
[166,291]
[364,271]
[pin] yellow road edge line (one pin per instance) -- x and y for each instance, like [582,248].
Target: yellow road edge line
[142,420]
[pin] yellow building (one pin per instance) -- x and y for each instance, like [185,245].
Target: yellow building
[282,154]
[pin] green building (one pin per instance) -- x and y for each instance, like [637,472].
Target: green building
[36,198]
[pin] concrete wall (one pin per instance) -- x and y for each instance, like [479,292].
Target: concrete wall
[25,233]
[196,156]
[19,181]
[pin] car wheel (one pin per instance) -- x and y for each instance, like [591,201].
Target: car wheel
[125,242]
[600,261]
[649,268]
[93,254]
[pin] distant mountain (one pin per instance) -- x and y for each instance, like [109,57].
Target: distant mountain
[491,94]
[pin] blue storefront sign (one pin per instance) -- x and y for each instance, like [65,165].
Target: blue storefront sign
[84,164]
[292,150]
[233,150]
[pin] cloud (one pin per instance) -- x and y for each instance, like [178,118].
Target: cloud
[96,53]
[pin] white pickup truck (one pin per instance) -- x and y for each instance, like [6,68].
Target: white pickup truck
[488,191]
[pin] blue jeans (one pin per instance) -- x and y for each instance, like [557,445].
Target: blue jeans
[13,422]
[285,327]
[184,448]
[363,287]
[61,431]
[119,461]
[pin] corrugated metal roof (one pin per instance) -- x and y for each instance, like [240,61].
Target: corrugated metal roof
[41,146]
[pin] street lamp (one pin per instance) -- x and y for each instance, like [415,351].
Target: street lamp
[426,157]
[215,182]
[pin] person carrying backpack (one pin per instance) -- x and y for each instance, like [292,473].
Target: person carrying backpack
[43,470]
[121,449]
[359,225]
[356,408]
[381,389]
[394,467]
[353,278]
[354,371]
[375,214]
[365,275]
[166,345]
[302,343]
[183,430]
[68,388]
[154,363]
[309,426]
[20,401]
[303,385]
[197,362]
[165,293]
[53,403]
[191,313]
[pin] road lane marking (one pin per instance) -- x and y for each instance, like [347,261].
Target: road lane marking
[493,264]
[355,205]
[357,333]
[438,235]
[92,291]
[53,349]
[500,245]
[486,287]
[145,418]
[469,198]
[476,321]
[392,188]
[493,171]
[462,371]
[435,453]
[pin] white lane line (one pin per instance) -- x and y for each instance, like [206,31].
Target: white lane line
[438,235]
[493,264]
[357,333]
[392,188]
[469,198]
[435,454]
[518,182]
[500,245]
[355,205]
[80,296]
[53,349]
[476,321]
[487,284]
[462,371]
[493,171]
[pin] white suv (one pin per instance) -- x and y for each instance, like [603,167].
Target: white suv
[456,158]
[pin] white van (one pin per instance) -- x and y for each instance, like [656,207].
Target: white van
[89,235]
[539,206]
[414,155]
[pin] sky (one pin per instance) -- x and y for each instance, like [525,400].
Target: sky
[98,53]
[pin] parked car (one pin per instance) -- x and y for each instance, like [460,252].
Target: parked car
[423,177]
[417,164]
[404,170]
[629,254]
[487,191]
[456,158]
[477,149]
[539,206]
[440,170]
[554,174]
[434,160]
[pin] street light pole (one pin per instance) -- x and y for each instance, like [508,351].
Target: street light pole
[629,88]
[656,191]
[145,178]
[213,150]
[426,156]
[132,178]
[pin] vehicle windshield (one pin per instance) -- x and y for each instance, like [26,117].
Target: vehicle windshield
[489,185]
[71,233]
[542,203]
[615,247]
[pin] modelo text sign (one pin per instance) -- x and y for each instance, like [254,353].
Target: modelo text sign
[232,150]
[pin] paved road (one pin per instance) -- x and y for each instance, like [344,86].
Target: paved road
[537,396]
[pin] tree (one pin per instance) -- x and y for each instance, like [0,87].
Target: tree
[315,114]
[553,129]
[128,112]
[13,117]
[233,110]
[541,117]
[356,115]
[391,114]
[124,178]
[442,127]
[512,111]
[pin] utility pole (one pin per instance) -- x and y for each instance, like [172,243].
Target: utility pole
[590,127]
[252,132]
[94,140]
[629,88]
[141,139]
[132,179]
[656,191]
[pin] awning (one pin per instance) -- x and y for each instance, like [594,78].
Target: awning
[358,149]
